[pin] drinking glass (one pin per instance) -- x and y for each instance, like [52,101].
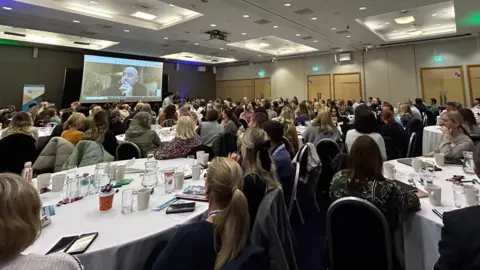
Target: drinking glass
[192,160]
[459,196]
[72,190]
[150,155]
[150,177]
[168,179]
[468,162]
[101,178]
[127,200]
[428,173]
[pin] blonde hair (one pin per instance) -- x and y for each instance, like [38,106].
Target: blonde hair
[74,120]
[139,106]
[250,108]
[405,108]
[324,121]
[455,117]
[224,184]
[185,128]
[286,116]
[255,150]
[20,222]
[95,110]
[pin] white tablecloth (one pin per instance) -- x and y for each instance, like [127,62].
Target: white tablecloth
[422,231]
[432,135]
[124,241]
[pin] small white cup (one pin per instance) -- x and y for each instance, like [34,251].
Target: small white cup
[196,171]
[120,175]
[417,164]
[389,171]
[471,195]
[204,159]
[43,180]
[434,194]
[143,198]
[199,153]
[178,180]
[439,159]
[58,181]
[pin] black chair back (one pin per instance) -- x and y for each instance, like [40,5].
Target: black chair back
[169,123]
[411,145]
[415,126]
[327,149]
[251,258]
[128,150]
[431,118]
[358,236]
[475,138]
[224,144]
[243,122]
[395,149]
[16,149]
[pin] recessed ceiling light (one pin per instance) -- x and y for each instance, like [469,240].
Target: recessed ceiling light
[244,34]
[172,5]
[334,28]
[126,30]
[314,18]
[315,41]
[196,44]
[7,8]
[415,32]
[387,23]
[246,16]
[75,21]
[213,25]
[264,44]
[143,15]
[405,20]
[275,26]
[362,8]
[221,48]
[297,35]
[93,2]
[349,36]
[395,31]
[259,55]
[438,24]
[165,38]
[340,50]
[434,14]
[287,4]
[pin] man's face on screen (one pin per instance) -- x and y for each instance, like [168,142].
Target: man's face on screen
[130,76]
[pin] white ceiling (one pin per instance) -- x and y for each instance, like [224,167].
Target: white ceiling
[335,27]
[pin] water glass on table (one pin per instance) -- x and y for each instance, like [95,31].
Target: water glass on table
[150,177]
[101,178]
[127,200]
[458,195]
[468,162]
[168,179]
[72,190]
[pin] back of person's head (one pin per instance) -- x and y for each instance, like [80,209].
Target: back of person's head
[405,108]
[387,116]
[212,115]
[256,156]
[224,183]
[95,110]
[275,104]
[146,108]
[388,106]
[143,119]
[20,222]
[184,111]
[267,105]
[139,106]
[21,120]
[274,130]
[433,100]
[74,121]
[99,128]
[365,121]
[185,128]
[324,121]
[257,120]
[83,110]
[302,108]
[286,115]
[65,114]
[365,160]
[418,101]
[468,116]
[349,103]
[170,111]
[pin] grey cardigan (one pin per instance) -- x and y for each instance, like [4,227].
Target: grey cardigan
[313,135]
[209,131]
[56,261]
[453,148]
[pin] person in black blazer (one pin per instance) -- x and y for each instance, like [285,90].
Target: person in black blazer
[459,247]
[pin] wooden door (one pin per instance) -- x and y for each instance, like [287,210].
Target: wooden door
[263,88]
[347,86]
[319,87]
[448,80]
[474,81]
[235,89]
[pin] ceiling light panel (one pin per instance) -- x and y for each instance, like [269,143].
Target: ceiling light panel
[198,58]
[273,45]
[417,23]
[43,37]
[155,17]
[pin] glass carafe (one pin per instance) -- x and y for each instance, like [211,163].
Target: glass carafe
[468,162]
[100,179]
[150,177]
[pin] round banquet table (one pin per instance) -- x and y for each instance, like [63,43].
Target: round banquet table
[432,135]
[124,241]
[422,230]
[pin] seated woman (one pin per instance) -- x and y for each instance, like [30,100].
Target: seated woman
[322,127]
[364,179]
[57,131]
[140,133]
[89,120]
[469,122]
[258,168]
[229,121]
[170,112]
[184,142]
[406,115]
[210,129]
[302,114]
[454,140]
[21,124]
[248,113]
[100,133]
[116,125]
[21,206]
[72,128]
[365,124]
[223,236]
[395,131]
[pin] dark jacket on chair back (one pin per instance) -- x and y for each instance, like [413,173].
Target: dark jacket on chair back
[15,150]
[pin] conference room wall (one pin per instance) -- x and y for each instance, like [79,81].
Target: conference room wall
[17,67]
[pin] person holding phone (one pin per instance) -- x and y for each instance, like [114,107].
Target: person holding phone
[20,226]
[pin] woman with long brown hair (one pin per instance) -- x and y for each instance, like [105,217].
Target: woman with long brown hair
[212,243]
[21,124]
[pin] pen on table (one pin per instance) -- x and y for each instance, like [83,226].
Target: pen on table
[166,204]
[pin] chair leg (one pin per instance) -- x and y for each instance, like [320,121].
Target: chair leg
[300,213]
[315,201]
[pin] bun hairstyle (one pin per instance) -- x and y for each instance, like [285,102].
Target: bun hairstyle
[256,156]
[224,184]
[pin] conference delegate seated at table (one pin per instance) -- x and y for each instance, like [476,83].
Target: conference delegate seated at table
[64,115]
[229,121]
[469,122]
[21,124]
[280,155]
[213,243]
[116,124]
[210,129]
[322,128]
[406,115]
[72,128]
[302,115]
[454,141]
[170,112]
[184,142]
[365,124]
[21,224]
[140,133]
[100,133]
[394,130]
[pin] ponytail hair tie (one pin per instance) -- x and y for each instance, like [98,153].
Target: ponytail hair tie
[233,190]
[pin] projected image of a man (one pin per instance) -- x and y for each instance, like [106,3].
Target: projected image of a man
[128,85]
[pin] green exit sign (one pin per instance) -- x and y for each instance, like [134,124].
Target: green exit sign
[314,68]
[438,58]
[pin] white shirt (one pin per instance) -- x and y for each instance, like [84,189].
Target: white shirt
[353,134]
[166,102]
[476,113]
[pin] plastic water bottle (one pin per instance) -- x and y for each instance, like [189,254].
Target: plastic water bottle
[27,172]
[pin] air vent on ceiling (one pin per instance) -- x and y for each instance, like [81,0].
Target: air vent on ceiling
[104,26]
[262,22]
[87,33]
[81,43]
[307,38]
[343,32]
[14,34]
[304,11]
[143,6]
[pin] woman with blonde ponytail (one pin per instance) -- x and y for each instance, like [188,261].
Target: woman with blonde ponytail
[212,243]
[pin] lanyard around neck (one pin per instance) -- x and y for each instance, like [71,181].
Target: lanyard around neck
[213,213]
